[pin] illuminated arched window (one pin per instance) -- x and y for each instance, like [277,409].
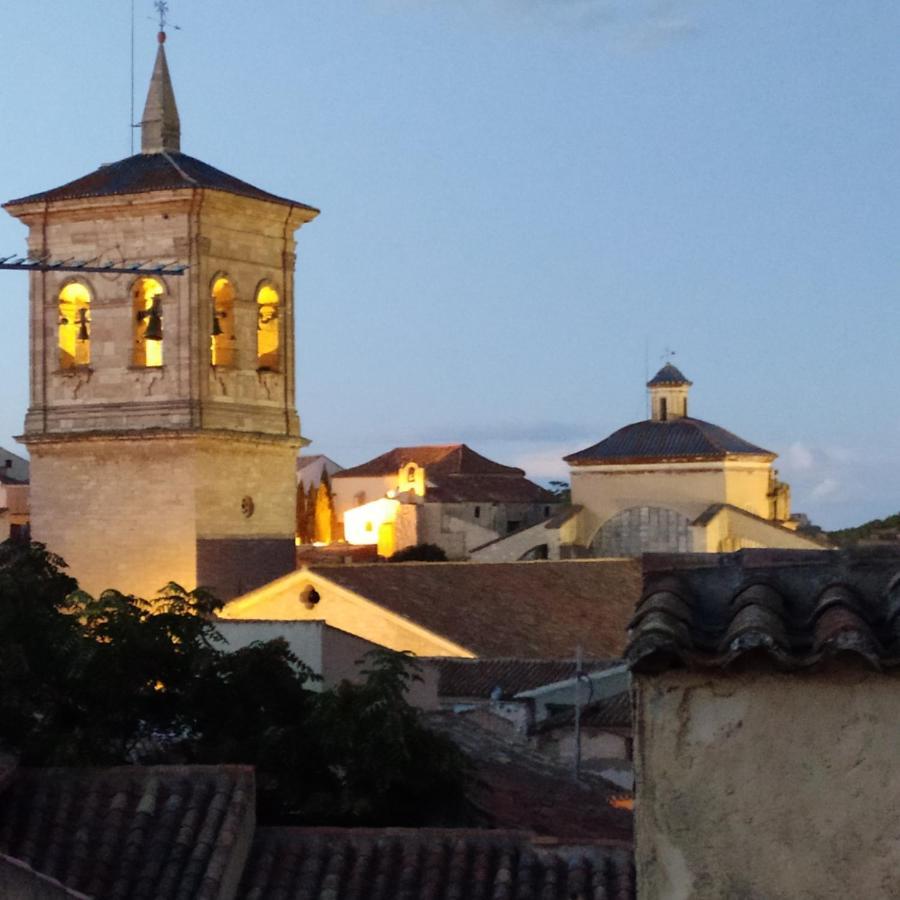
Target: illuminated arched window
[74,326]
[147,309]
[221,344]
[268,348]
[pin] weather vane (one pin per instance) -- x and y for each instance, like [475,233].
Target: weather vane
[667,355]
[163,9]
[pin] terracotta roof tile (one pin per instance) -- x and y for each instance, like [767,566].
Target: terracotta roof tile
[485,489]
[440,459]
[478,678]
[530,610]
[146,172]
[516,786]
[607,712]
[791,609]
[155,833]
[431,864]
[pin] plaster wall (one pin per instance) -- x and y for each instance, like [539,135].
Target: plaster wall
[332,654]
[689,488]
[767,786]
[730,530]
[352,492]
[596,744]
[285,599]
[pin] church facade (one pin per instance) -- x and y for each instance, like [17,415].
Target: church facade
[671,483]
[162,423]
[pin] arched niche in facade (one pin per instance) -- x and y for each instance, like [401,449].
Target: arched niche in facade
[74,325]
[643,529]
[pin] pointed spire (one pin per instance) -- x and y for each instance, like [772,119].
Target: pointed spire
[160,126]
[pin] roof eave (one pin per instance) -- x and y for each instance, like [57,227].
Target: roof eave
[764,456]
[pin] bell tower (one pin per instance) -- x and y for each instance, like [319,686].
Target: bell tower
[162,422]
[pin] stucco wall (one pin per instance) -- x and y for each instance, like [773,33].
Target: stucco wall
[767,787]
[347,491]
[342,609]
[731,530]
[689,488]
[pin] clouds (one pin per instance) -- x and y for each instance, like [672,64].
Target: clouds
[631,24]
[840,485]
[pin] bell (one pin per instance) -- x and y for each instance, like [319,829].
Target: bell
[154,331]
[83,333]
[216,327]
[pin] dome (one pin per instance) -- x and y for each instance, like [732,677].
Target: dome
[677,439]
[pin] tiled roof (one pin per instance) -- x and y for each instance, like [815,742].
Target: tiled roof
[18,881]
[485,489]
[441,459]
[130,832]
[785,609]
[517,786]
[336,554]
[478,678]
[668,374]
[675,439]
[608,712]
[395,864]
[146,172]
[533,610]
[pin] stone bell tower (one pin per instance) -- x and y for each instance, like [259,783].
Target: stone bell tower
[162,425]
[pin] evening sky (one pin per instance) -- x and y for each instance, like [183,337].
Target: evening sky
[525,203]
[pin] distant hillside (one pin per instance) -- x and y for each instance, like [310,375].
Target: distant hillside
[877,530]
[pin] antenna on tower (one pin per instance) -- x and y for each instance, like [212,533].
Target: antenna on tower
[131,118]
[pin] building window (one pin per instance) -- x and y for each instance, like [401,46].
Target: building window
[663,409]
[147,309]
[268,344]
[221,342]
[477,512]
[74,326]
[546,511]
[411,474]
[511,526]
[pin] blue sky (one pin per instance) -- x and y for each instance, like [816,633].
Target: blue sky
[525,202]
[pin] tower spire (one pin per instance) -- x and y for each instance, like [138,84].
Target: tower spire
[160,125]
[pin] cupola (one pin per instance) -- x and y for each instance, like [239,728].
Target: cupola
[668,394]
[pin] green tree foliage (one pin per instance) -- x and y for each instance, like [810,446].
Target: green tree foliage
[118,679]
[561,490]
[420,553]
[887,529]
[302,528]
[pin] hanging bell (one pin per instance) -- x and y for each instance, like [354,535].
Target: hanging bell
[216,327]
[154,331]
[83,333]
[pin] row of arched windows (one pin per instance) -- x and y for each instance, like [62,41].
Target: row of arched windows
[148,308]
